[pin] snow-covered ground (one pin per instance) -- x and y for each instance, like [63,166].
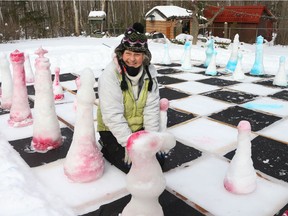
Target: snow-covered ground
[23,191]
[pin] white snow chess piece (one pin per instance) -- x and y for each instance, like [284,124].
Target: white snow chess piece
[238,73]
[281,77]
[186,59]
[20,113]
[6,83]
[166,59]
[46,128]
[57,88]
[231,64]
[145,180]
[84,161]
[28,69]
[78,83]
[211,69]
[241,176]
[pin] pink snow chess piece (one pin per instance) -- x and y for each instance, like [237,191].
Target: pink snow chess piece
[28,70]
[145,180]
[164,105]
[241,176]
[6,92]
[57,88]
[20,113]
[46,128]
[84,161]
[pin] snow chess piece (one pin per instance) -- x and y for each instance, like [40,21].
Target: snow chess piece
[6,83]
[211,69]
[281,77]
[78,83]
[57,88]
[166,59]
[84,161]
[258,68]
[238,73]
[209,52]
[145,180]
[241,176]
[46,128]
[186,59]
[231,65]
[20,113]
[28,70]
[164,105]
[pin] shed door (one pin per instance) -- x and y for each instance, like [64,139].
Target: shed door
[168,32]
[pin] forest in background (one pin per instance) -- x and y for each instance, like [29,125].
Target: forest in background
[25,19]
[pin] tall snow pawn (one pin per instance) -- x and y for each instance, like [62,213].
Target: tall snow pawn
[241,176]
[84,161]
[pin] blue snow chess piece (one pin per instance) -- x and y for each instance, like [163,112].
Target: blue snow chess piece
[232,63]
[166,59]
[258,68]
[209,52]
[186,58]
[211,69]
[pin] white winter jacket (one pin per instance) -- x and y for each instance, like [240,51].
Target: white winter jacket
[112,108]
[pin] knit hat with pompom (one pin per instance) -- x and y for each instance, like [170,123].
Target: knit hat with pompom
[134,40]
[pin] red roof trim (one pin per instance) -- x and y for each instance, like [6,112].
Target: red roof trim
[241,14]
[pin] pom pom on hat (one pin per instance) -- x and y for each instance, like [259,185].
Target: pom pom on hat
[138,27]
[136,41]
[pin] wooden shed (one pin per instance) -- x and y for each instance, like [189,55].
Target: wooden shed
[247,21]
[169,20]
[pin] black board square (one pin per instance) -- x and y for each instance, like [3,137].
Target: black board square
[179,155]
[202,66]
[166,80]
[30,90]
[168,71]
[233,115]
[171,205]
[269,156]
[217,75]
[217,82]
[282,211]
[261,76]
[231,96]
[269,83]
[281,95]
[171,94]
[34,159]
[176,117]
[65,77]
[168,65]
[4,111]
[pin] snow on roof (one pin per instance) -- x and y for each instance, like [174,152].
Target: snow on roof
[97,14]
[171,11]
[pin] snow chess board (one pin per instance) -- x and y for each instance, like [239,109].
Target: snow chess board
[203,114]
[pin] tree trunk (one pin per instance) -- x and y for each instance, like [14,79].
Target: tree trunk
[76,19]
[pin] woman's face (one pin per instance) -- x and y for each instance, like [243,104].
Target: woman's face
[133,59]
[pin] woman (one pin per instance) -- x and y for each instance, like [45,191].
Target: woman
[128,97]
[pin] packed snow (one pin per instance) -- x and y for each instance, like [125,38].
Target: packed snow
[21,191]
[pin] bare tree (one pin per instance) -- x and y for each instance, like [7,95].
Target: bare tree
[195,21]
[76,19]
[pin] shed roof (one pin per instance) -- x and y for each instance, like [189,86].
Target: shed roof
[98,15]
[241,14]
[170,11]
